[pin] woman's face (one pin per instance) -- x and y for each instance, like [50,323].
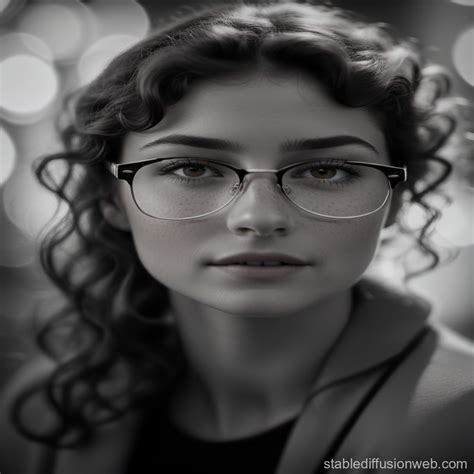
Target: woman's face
[257,113]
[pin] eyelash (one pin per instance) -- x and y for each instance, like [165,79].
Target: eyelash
[335,165]
[183,163]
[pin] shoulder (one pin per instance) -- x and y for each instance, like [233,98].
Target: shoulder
[438,374]
[438,386]
[424,408]
[449,369]
[442,364]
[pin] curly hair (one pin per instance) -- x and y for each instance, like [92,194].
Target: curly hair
[113,344]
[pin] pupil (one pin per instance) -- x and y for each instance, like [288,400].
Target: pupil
[323,173]
[193,171]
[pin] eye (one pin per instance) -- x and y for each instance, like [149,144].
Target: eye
[190,170]
[325,172]
[193,171]
[321,172]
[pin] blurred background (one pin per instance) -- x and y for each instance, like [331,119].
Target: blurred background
[48,48]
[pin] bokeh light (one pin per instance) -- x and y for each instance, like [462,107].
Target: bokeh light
[462,55]
[27,204]
[119,17]
[96,58]
[62,26]
[120,25]
[7,155]
[414,216]
[27,86]
[17,43]
[457,222]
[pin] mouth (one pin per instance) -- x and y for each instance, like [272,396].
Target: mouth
[259,266]
[260,260]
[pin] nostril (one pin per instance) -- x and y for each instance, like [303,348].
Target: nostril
[258,231]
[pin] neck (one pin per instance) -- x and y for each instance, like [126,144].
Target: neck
[257,367]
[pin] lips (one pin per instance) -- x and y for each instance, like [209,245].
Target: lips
[259,260]
[264,263]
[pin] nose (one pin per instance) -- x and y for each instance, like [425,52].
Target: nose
[260,209]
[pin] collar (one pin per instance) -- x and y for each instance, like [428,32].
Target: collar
[385,319]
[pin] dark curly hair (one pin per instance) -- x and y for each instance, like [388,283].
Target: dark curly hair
[114,347]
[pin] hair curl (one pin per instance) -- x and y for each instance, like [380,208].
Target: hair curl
[113,345]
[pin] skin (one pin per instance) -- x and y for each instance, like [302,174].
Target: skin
[254,346]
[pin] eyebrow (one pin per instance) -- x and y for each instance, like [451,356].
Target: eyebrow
[199,142]
[300,144]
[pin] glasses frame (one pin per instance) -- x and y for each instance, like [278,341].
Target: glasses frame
[395,175]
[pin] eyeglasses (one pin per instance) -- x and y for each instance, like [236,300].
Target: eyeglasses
[181,188]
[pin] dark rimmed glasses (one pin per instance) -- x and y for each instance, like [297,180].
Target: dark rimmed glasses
[181,188]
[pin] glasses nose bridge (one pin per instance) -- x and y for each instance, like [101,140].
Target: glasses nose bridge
[274,175]
[247,178]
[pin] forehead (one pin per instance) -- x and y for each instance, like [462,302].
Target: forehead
[261,110]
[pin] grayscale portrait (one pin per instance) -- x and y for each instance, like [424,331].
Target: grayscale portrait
[237,236]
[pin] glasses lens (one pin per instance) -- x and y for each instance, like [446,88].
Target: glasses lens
[181,188]
[336,189]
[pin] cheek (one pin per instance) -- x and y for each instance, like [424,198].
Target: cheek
[353,245]
[158,241]
[166,248]
[163,247]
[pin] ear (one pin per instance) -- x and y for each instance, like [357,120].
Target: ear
[114,214]
[395,205]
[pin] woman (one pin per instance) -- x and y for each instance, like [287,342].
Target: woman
[228,181]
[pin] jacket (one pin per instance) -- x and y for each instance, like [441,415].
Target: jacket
[395,387]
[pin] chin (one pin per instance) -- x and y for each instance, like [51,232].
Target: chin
[259,305]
